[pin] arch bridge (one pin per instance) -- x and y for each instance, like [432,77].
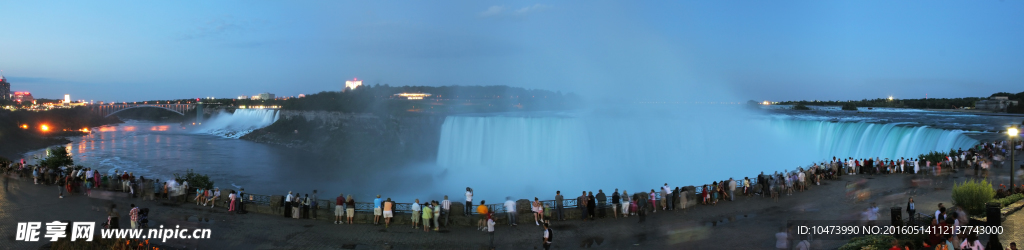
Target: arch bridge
[107,110]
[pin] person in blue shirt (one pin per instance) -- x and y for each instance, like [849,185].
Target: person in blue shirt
[377,211]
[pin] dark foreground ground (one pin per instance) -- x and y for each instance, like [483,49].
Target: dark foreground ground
[747,223]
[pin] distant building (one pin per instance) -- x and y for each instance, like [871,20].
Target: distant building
[67,98]
[5,89]
[263,96]
[243,97]
[23,97]
[995,103]
[302,95]
[413,96]
[353,84]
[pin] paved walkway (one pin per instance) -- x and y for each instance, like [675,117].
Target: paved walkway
[748,223]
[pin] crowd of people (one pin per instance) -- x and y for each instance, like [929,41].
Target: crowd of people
[435,214]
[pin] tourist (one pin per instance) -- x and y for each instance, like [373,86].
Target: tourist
[165,192]
[427,214]
[911,210]
[241,201]
[490,229]
[705,197]
[732,189]
[654,201]
[339,208]
[377,210]
[350,209]
[124,182]
[939,212]
[641,206]
[446,207]
[469,201]
[559,205]
[581,203]
[538,211]
[416,214]
[1013,246]
[199,196]
[313,204]
[297,206]
[664,197]
[591,206]
[510,211]
[782,239]
[287,204]
[616,203]
[602,203]
[682,198]
[35,176]
[231,199]
[133,215]
[437,214]
[625,204]
[305,206]
[548,237]
[113,217]
[482,210]
[216,194]
[805,245]
[389,212]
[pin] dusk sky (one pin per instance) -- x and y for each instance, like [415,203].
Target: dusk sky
[661,50]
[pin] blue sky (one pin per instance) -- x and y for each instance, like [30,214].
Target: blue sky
[657,50]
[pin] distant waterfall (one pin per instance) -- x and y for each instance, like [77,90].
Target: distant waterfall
[863,140]
[239,123]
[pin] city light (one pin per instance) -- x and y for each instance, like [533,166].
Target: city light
[890,98]
[1012,132]
[44,128]
[24,126]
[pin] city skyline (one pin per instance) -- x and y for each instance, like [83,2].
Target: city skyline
[644,51]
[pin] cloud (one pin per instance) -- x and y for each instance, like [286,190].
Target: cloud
[529,9]
[493,11]
[502,11]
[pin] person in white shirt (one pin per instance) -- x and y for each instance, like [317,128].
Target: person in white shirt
[446,207]
[510,210]
[416,214]
[469,201]
[782,239]
[490,228]
[732,189]
[287,204]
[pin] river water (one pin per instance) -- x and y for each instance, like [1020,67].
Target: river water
[524,155]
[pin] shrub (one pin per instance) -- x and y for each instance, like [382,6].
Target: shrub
[800,106]
[849,106]
[1006,201]
[869,242]
[934,156]
[972,195]
[195,180]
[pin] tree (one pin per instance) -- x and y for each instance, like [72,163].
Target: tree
[58,157]
[849,106]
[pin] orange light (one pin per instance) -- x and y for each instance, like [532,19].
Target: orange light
[24,126]
[44,128]
[85,129]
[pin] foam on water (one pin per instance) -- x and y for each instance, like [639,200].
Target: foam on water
[239,123]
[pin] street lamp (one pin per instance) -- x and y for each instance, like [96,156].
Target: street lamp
[1012,132]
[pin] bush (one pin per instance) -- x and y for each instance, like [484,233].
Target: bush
[800,106]
[849,106]
[195,180]
[1006,201]
[879,242]
[972,195]
[934,156]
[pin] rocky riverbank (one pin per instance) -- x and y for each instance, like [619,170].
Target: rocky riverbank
[20,131]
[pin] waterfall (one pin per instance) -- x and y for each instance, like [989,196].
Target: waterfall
[864,140]
[239,123]
[533,155]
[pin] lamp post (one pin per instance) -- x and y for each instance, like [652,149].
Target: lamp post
[1012,132]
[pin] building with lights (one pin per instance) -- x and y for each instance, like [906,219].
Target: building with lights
[23,97]
[5,89]
[413,96]
[243,97]
[263,96]
[353,84]
[995,103]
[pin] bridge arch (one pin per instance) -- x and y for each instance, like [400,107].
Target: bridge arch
[145,106]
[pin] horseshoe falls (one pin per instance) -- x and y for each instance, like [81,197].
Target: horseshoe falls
[617,152]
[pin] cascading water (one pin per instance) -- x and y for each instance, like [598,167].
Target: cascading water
[239,123]
[550,152]
[863,140]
